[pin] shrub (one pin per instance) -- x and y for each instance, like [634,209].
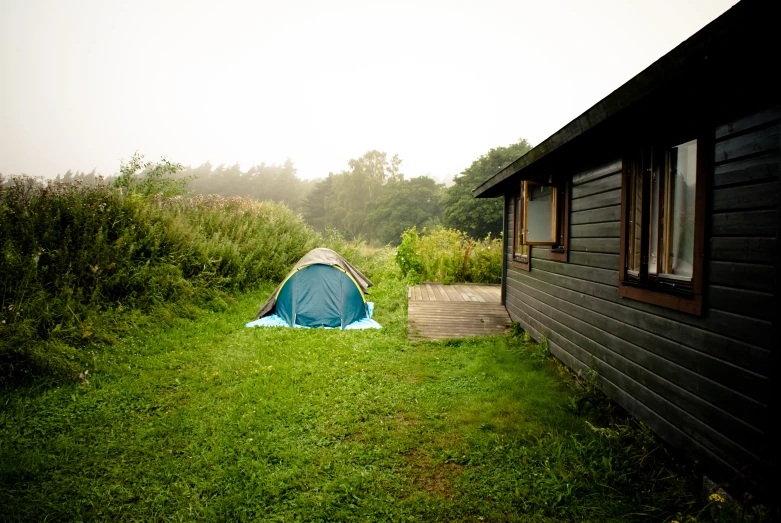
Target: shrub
[407,259]
[234,242]
[72,257]
[449,256]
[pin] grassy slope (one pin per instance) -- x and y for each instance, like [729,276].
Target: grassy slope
[207,420]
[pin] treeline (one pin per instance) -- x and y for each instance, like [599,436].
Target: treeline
[370,200]
[278,183]
[373,200]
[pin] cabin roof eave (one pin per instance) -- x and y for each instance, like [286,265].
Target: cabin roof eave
[690,55]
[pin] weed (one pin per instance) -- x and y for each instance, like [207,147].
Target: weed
[448,256]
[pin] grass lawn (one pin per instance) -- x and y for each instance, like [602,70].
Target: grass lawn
[207,420]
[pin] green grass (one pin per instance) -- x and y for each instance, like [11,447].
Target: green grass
[207,420]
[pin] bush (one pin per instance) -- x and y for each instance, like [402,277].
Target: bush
[73,257]
[234,242]
[449,256]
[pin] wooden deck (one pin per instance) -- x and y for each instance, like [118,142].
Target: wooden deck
[439,311]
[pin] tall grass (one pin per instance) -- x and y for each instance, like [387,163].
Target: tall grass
[73,258]
[376,263]
[235,242]
[449,256]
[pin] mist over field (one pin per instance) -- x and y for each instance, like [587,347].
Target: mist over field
[87,82]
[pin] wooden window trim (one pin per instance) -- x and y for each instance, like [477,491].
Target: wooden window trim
[558,251]
[561,252]
[518,215]
[690,305]
[523,266]
[627,288]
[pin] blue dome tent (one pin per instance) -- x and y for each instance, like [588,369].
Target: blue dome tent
[322,290]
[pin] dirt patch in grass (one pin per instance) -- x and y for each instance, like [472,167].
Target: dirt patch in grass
[405,420]
[435,478]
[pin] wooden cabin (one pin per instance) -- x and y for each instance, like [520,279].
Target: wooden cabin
[641,239]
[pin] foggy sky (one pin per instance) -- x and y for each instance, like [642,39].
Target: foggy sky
[86,83]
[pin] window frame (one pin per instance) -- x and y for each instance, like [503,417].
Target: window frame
[559,250]
[520,261]
[657,289]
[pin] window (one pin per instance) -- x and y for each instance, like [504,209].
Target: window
[540,213]
[541,218]
[521,252]
[662,226]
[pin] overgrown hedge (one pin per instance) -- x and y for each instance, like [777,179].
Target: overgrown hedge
[74,258]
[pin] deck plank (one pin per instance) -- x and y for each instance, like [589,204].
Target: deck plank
[454,295]
[437,311]
[441,294]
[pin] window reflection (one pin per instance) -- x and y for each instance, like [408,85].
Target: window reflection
[540,214]
[681,179]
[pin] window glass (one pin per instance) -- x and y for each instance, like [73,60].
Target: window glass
[681,178]
[540,214]
[660,207]
[653,247]
[635,216]
[520,249]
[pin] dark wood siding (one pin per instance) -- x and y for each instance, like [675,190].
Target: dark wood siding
[509,217]
[701,382]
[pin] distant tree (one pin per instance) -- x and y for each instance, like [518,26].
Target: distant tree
[406,203]
[149,178]
[314,206]
[373,170]
[279,183]
[343,199]
[91,178]
[478,217]
[394,170]
[346,208]
[231,183]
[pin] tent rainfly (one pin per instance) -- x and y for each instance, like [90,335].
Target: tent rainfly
[322,290]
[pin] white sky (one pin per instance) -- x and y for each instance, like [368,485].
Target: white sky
[84,84]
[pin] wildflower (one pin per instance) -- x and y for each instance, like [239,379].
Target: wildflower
[716,497]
